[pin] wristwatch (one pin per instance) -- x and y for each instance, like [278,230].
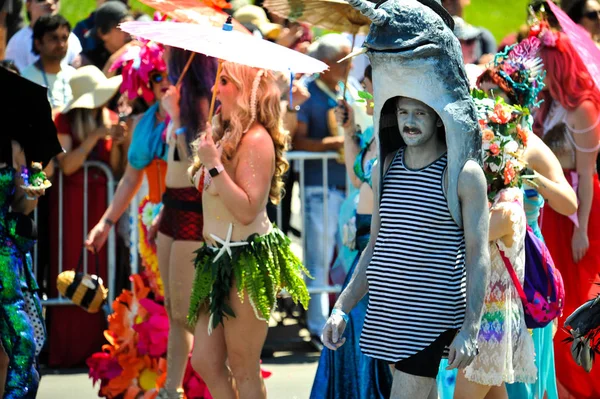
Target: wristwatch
[214,172]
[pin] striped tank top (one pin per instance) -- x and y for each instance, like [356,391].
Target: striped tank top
[417,278]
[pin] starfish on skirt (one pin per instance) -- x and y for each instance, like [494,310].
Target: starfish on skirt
[226,244]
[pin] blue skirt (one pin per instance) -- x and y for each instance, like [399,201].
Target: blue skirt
[346,373]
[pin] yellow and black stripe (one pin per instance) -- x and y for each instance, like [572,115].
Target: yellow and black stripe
[70,285]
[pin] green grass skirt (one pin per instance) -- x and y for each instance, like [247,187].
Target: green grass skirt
[261,268]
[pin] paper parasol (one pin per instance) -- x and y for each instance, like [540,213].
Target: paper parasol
[336,15]
[582,42]
[225,44]
[194,11]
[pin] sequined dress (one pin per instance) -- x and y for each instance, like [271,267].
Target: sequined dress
[16,280]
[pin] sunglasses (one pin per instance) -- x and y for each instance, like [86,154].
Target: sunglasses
[158,77]
[593,15]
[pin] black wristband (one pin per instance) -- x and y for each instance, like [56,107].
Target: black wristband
[109,222]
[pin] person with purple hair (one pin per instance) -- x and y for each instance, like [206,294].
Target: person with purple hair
[168,234]
[181,221]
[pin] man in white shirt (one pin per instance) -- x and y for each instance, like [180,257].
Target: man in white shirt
[20,46]
[50,37]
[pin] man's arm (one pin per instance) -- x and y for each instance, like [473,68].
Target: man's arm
[472,192]
[304,143]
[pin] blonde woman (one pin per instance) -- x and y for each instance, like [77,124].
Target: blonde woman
[239,167]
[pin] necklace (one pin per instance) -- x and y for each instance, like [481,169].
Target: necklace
[50,95]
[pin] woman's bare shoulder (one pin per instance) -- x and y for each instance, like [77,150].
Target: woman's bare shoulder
[256,137]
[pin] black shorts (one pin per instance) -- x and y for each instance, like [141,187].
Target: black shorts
[426,363]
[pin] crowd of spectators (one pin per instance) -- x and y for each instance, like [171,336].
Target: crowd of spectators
[94,124]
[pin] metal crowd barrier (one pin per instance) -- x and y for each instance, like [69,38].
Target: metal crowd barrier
[301,157]
[111,242]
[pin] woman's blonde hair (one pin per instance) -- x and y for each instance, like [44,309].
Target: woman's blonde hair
[264,107]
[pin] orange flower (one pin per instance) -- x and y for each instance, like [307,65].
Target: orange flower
[494,149]
[487,135]
[501,115]
[509,173]
[523,134]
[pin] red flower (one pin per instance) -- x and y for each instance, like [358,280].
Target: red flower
[501,115]
[494,149]
[535,30]
[193,385]
[103,367]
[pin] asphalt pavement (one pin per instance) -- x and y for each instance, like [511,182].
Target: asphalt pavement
[288,355]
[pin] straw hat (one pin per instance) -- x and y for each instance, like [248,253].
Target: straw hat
[250,14]
[91,89]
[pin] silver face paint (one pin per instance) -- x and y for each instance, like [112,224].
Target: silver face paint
[417,122]
[415,54]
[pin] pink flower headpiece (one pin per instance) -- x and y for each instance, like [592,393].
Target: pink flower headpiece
[137,64]
[540,27]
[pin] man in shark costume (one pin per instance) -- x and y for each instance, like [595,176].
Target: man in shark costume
[427,263]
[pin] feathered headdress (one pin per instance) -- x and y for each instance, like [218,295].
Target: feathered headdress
[137,64]
[522,71]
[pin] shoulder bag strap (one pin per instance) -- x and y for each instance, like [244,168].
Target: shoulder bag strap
[513,276]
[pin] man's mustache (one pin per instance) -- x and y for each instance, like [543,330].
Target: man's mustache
[410,130]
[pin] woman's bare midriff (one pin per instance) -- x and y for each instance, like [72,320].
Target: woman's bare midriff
[177,176]
[217,219]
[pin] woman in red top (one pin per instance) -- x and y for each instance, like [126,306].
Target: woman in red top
[87,131]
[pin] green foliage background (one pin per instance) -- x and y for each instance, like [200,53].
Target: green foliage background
[499,16]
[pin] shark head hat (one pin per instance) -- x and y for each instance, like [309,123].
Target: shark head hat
[415,53]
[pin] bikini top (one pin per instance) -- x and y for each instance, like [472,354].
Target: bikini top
[364,170]
[559,136]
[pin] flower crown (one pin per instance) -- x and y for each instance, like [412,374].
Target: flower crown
[137,64]
[540,28]
[522,70]
[505,131]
